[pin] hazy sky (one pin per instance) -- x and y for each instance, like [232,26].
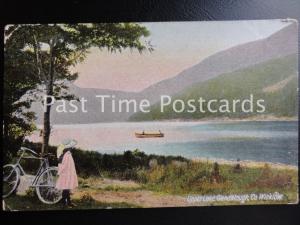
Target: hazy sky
[178,45]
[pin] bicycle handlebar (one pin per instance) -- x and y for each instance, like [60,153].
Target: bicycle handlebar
[48,155]
[36,154]
[29,150]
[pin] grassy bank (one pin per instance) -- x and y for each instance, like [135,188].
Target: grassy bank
[134,171]
[201,178]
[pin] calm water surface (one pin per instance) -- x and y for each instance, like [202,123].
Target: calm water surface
[260,141]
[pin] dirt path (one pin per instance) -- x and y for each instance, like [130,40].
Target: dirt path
[141,198]
[129,192]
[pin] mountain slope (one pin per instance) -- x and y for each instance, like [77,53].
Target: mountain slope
[280,44]
[281,101]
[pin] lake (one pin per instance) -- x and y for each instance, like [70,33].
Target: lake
[268,141]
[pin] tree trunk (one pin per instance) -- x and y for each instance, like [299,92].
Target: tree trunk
[49,91]
[47,128]
[5,128]
[46,122]
[6,144]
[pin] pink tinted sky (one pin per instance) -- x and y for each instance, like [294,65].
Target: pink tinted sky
[178,45]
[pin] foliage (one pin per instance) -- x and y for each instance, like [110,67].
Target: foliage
[270,178]
[124,166]
[196,177]
[67,44]
[52,50]
[18,81]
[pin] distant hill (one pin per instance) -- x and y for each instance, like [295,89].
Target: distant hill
[93,107]
[282,43]
[275,81]
[279,44]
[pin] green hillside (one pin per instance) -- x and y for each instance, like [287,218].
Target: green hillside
[274,81]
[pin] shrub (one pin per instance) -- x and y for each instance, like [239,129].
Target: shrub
[156,175]
[142,176]
[122,166]
[271,179]
[153,163]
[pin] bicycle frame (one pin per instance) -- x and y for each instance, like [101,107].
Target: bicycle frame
[44,180]
[43,166]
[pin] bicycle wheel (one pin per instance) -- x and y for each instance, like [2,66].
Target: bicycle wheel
[45,187]
[11,177]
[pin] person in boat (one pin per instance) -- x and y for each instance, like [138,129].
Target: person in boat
[159,131]
[143,132]
[67,176]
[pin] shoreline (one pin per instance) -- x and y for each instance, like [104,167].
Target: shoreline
[262,118]
[221,161]
[246,163]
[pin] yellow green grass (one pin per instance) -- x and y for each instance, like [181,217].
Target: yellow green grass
[196,178]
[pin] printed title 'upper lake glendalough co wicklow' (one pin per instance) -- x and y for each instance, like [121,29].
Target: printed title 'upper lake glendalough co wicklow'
[162,114]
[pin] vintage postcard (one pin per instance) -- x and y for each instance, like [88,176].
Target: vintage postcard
[162,114]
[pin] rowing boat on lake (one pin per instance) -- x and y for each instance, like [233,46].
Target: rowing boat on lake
[149,134]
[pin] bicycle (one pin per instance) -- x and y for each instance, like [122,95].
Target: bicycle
[43,182]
